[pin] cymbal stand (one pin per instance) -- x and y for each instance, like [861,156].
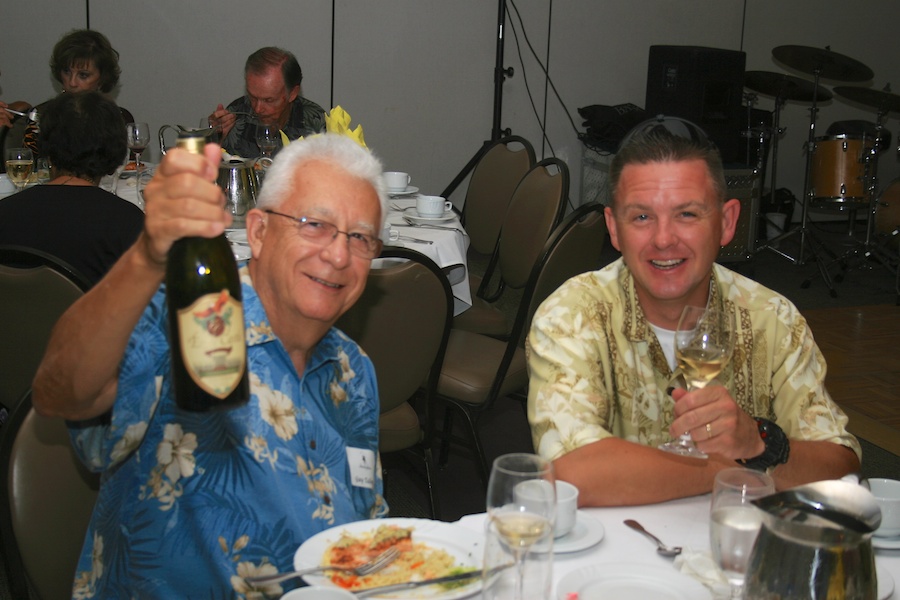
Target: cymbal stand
[868,249]
[808,241]
[776,134]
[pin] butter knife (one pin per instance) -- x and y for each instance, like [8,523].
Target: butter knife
[398,587]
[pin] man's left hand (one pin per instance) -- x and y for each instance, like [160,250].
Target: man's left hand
[716,423]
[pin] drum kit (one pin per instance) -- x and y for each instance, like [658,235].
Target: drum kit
[841,170]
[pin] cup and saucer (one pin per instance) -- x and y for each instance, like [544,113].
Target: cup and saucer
[407,191]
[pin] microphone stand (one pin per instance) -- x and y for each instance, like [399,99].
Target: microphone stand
[500,75]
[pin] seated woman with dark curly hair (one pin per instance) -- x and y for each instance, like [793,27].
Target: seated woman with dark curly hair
[70,217]
[83,60]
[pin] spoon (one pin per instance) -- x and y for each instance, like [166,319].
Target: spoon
[31,114]
[660,547]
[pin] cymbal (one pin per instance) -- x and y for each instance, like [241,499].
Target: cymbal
[883,101]
[783,86]
[823,62]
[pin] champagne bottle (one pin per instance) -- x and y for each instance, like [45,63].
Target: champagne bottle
[206,318]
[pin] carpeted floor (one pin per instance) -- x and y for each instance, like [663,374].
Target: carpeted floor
[867,282]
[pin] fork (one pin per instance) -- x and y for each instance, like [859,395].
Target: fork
[373,566]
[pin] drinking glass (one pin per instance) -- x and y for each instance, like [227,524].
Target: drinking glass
[19,164]
[735,522]
[267,137]
[521,508]
[704,341]
[138,138]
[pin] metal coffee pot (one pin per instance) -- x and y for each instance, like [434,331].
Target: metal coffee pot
[238,179]
[815,543]
[210,133]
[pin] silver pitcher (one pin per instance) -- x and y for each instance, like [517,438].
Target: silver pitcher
[210,133]
[815,543]
[238,179]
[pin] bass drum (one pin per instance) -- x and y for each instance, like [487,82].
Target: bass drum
[887,211]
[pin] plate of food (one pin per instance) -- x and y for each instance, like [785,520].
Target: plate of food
[428,548]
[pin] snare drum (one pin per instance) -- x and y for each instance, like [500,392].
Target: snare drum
[887,210]
[839,169]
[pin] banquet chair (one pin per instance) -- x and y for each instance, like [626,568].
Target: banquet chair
[478,369]
[402,321]
[535,209]
[491,187]
[46,505]
[35,289]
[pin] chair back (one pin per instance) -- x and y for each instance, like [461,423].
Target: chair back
[35,289]
[536,208]
[491,187]
[402,321]
[574,248]
[47,505]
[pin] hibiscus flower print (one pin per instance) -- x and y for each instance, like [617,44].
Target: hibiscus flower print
[175,461]
[129,442]
[276,408]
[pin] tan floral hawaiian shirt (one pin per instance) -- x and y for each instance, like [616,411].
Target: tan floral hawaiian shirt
[597,369]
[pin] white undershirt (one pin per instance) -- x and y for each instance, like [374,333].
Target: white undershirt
[666,339]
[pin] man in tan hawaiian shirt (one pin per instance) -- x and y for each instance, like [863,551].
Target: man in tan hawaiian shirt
[599,401]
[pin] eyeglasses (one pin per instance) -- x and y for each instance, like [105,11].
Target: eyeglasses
[320,232]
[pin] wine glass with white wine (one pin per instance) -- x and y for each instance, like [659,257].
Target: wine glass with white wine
[19,165]
[704,341]
[521,508]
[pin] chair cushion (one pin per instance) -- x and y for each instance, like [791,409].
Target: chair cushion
[471,364]
[398,429]
[484,318]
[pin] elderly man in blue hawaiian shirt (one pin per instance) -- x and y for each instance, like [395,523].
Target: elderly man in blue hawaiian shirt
[191,504]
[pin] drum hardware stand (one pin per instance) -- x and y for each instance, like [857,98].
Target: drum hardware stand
[868,249]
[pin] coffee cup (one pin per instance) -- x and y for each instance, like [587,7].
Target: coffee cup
[566,508]
[389,235]
[887,495]
[395,181]
[7,187]
[432,206]
[566,502]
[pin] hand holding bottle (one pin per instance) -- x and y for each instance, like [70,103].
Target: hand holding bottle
[183,200]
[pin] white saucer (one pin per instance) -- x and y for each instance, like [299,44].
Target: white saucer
[411,213]
[409,191]
[587,532]
[630,582]
[886,543]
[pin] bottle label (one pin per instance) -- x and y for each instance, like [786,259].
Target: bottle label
[212,342]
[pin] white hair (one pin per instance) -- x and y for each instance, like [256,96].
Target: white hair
[336,149]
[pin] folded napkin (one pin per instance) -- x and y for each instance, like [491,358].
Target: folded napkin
[337,121]
[702,567]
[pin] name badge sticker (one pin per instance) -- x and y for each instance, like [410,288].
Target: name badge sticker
[362,467]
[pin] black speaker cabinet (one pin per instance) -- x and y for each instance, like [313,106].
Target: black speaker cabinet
[746,186]
[702,85]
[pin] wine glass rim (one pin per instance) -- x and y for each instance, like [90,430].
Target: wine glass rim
[526,463]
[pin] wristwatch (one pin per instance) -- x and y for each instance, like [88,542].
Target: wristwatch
[778,447]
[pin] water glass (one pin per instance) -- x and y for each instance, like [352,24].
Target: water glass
[735,522]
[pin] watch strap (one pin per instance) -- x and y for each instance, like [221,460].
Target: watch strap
[777,447]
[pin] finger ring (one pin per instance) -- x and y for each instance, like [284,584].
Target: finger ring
[708,430]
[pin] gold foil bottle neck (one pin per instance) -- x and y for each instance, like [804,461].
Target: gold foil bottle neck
[191,141]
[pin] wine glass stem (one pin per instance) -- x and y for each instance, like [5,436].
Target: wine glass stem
[137,168]
[520,574]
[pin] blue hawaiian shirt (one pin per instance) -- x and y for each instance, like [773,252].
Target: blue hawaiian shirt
[192,503]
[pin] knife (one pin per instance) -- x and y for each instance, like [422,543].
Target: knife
[397,587]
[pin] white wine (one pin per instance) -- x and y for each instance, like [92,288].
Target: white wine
[521,529]
[699,365]
[206,319]
[19,171]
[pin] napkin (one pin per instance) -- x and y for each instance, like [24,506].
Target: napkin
[336,121]
[702,567]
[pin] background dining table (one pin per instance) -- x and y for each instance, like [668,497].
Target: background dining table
[683,522]
[449,243]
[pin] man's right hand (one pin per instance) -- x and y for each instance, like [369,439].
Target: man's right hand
[6,118]
[223,119]
[183,200]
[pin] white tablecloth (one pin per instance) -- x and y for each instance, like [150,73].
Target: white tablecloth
[448,247]
[679,523]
